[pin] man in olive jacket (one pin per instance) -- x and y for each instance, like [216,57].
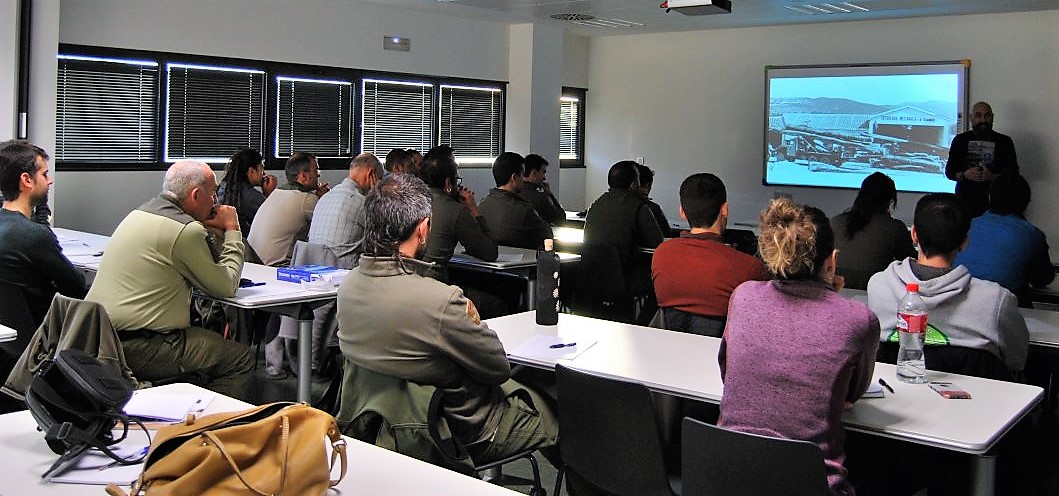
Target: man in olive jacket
[396,321]
[512,219]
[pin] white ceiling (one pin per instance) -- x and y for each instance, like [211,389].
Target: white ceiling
[744,12]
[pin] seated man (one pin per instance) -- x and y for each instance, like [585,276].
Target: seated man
[30,257]
[511,219]
[1004,247]
[335,221]
[399,161]
[155,257]
[647,181]
[396,321]
[961,310]
[694,275]
[535,189]
[285,215]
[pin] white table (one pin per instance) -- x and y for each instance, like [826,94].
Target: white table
[284,298]
[685,365]
[517,262]
[281,297]
[372,470]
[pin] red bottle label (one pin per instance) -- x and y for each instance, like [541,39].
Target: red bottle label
[912,323]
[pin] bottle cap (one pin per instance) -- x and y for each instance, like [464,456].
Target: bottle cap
[548,244]
[912,287]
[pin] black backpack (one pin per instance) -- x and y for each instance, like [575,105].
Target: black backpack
[77,402]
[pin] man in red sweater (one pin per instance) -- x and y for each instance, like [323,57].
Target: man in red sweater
[694,275]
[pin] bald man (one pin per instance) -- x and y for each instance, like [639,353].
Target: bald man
[335,221]
[154,259]
[979,156]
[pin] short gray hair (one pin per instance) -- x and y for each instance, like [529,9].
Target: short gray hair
[367,159]
[184,176]
[392,210]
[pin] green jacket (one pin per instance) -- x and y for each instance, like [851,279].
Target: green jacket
[513,221]
[452,223]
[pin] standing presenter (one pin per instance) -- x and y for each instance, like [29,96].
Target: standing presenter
[979,156]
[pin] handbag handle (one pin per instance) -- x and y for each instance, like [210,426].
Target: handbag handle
[284,438]
[338,451]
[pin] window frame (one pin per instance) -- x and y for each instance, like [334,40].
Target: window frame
[272,71]
[580,94]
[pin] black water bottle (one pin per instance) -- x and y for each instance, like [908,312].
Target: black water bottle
[547,297]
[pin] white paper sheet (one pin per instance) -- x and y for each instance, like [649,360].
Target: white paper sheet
[149,404]
[540,346]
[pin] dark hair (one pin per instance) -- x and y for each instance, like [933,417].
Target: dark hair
[236,175]
[17,157]
[505,165]
[877,193]
[298,162]
[1009,194]
[534,162]
[392,210]
[795,239]
[438,165]
[647,176]
[941,223]
[701,197]
[398,159]
[623,174]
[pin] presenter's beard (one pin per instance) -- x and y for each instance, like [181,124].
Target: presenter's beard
[982,128]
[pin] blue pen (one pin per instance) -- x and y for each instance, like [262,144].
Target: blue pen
[562,345]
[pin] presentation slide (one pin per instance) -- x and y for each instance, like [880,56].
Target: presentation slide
[831,126]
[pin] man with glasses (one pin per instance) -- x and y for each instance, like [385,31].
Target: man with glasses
[157,255]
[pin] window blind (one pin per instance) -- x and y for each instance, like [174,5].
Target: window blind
[313,116]
[570,145]
[471,122]
[211,111]
[396,114]
[106,110]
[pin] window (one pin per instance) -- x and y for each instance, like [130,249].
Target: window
[572,127]
[313,116]
[471,122]
[211,111]
[396,114]
[106,110]
[121,109]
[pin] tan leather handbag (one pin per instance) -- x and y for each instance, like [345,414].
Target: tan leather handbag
[273,449]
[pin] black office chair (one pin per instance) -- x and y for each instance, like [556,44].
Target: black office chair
[954,360]
[608,437]
[599,287]
[722,461]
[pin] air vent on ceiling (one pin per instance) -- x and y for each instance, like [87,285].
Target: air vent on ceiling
[573,17]
[597,22]
[827,8]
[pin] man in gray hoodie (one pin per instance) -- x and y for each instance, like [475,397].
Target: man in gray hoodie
[962,311]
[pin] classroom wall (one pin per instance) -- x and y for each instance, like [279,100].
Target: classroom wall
[575,73]
[693,101]
[325,32]
[9,59]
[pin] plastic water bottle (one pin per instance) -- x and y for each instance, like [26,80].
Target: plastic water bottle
[912,332]
[547,297]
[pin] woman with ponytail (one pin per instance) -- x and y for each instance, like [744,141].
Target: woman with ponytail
[795,353]
[868,237]
[243,174]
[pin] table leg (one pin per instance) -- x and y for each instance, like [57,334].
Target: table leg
[305,358]
[983,481]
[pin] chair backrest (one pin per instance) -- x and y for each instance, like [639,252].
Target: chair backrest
[722,461]
[678,320]
[608,436]
[954,360]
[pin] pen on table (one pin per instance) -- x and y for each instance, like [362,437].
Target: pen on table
[98,254]
[562,345]
[885,385]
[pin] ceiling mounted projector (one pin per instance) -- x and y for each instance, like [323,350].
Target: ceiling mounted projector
[699,7]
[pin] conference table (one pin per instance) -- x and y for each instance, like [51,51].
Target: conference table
[685,365]
[280,297]
[371,470]
[511,261]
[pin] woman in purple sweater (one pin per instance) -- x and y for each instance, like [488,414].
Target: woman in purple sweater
[795,354]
